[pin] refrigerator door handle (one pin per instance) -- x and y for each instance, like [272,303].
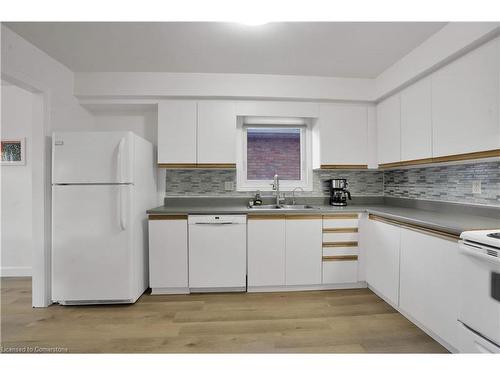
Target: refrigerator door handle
[119,160]
[123,220]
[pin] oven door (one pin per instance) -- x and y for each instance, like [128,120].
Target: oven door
[480,290]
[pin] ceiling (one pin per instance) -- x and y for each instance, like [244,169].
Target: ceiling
[335,49]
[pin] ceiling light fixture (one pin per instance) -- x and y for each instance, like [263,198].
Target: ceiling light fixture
[253,22]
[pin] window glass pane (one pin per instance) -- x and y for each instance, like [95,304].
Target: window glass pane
[271,151]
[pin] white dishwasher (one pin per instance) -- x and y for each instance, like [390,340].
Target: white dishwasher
[217,253]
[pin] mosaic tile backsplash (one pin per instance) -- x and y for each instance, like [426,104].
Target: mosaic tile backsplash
[451,183]
[445,183]
[209,182]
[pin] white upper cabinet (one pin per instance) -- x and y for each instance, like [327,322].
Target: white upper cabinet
[177,131]
[416,121]
[217,132]
[465,103]
[343,134]
[389,130]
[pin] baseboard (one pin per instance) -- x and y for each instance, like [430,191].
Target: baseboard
[298,288]
[169,291]
[434,336]
[15,271]
[236,289]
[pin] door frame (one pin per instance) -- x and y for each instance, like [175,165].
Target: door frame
[41,185]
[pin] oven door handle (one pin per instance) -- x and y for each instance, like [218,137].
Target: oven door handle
[465,249]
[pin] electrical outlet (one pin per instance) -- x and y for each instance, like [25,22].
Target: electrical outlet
[476,187]
[229,186]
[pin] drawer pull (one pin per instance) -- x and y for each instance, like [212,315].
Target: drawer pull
[340,230]
[339,258]
[340,216]
[429,231]
[341,244]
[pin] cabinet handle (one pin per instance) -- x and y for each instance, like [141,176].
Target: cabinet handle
[429,231]
[340,244]
[339,258]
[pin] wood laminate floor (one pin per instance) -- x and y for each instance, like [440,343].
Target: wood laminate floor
[341,321]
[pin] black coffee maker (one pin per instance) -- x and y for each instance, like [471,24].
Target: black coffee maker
[338,192]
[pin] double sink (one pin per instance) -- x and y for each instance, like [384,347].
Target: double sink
[284,207]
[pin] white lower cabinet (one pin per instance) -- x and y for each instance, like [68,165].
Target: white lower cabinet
[382,259]
[168,254]
[340,248]
[340,272]
[266,251]
[429,282]
[303,249]
[284,251]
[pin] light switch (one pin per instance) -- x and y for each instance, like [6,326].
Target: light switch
[229,186]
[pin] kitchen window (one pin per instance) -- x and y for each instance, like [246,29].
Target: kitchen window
[269,149]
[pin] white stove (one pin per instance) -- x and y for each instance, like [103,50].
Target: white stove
[479,315]
[485,237]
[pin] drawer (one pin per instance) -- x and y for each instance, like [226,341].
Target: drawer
[338,272]
[340,237]
[335,223]
[327,251]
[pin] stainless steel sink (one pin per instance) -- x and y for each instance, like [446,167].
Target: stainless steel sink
[283,207]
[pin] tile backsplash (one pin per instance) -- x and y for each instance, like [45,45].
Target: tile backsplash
[210,182]
[451,183]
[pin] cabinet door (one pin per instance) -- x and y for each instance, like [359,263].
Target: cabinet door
[343,134]
[168,256]
[416,123]
[389,130]
[465,103]
[216,132]
[382,259]
[303,250]
[429,282]
[177,131]
[266,251]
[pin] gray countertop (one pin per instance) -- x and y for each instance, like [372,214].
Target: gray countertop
[449,218]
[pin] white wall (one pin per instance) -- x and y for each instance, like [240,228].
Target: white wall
[453,40]
[22,60]
[213,85]
[142,123]
[25,65]
[16,234]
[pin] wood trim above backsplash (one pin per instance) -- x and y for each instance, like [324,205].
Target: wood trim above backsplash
[343,166]
[197,165]
[443,159]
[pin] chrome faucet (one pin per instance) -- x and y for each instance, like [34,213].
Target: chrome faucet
[293,193]
[276,187]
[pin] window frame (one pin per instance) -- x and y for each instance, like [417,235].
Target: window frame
[243,184]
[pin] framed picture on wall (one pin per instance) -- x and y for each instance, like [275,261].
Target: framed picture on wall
[13,152]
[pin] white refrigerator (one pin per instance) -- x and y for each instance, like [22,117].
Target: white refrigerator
[102,185]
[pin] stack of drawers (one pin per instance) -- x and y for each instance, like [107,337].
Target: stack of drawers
[340,248]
